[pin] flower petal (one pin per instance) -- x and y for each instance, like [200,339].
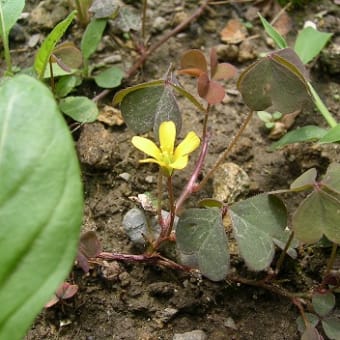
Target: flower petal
[147,146]
[188,145]
[167,136]
[180,163]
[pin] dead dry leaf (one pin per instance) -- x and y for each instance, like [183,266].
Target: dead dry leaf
[110,116]
[234,32]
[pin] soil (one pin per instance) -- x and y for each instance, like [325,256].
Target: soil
[138,301]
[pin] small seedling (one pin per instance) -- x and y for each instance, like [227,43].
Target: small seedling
[269,119]
[64,292]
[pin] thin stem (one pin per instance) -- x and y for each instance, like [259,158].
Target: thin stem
[5,42]
[159,197]
[171,206]
[284,252]
[205,122]
[51,75]
[331,259]
[191,185]
[322,107]
[145,5]
[226,152]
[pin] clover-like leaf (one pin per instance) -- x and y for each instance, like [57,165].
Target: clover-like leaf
[331,326]
[278,80]
[109,78]
[323,303]
[40,202]
[200,235]
[256,222]
[305,181]
[319,213]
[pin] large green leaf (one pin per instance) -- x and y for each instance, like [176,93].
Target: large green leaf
[10,11]
[200,234]
[40,202]
[257,222]
[43,55]
[309,43]
[144,108]
[278,80]
[331,326]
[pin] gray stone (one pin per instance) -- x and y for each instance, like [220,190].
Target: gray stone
[230,183]
[193,335]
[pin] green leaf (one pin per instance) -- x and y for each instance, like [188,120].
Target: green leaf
[304,134]
[309,43]
[332,136]
[278,80]
[318,214]
[331,326]
[200,233]
[10,11]
[40,202]
[265,116]
[256,222]
[332,177]
[305,181]
[120,95]
[65,85]
[311,318]
[110,78]
[323,303]
[92,36]
[144,107]
[45,50]
[273,33]
[81,109]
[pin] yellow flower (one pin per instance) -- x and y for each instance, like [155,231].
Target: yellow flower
[167,156]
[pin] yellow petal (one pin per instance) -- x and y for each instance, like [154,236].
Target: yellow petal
[180,163]
[147,146]
[167,136]
[188,145]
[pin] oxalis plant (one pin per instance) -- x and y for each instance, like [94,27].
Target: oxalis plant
[259,224]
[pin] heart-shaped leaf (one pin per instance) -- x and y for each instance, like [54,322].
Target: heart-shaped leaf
[323,303]
[305,181]
[68,54]
[278,80]
[40,202]
[331,326]
[309,43]
[332,177]
[193,60]
[256,222]
[200,234]
[145,107]
[318,214]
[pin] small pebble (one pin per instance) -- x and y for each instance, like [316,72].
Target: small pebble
[193,335]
